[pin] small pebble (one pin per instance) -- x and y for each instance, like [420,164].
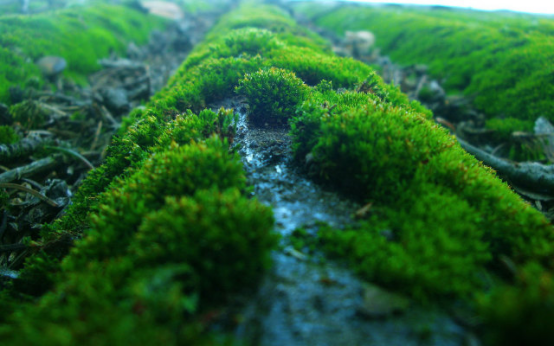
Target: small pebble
[51,65]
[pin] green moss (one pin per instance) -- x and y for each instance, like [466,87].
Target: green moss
[165,231]
[167,242]
[4,198]
[170,173]
[273,95]
[521,313]
[502,59]
[80,35]
[413,172]
[8,135]
[222,236]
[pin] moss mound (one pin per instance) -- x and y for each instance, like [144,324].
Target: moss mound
[273,95]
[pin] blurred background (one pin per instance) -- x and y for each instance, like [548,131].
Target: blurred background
[36,6]
[530,6]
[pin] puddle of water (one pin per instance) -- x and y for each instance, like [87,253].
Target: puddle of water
[305,301]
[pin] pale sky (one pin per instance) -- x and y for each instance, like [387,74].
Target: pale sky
[531,6]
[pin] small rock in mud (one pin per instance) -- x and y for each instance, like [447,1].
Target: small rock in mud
[341,51]
[51,66]
[36,212]
[378,303]
[388,234]
[116,100]
[158,41]
[57,190]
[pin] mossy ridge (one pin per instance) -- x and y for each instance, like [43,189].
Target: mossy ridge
[216,241]
[442,223]
[80,35]
[502,60]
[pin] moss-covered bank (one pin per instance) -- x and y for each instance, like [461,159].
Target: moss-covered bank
[81,36]
[164,231]
[503,60]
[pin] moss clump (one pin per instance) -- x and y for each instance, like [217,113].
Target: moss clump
[412,171]
[8,135]
[273,95]
[4,198]
[223,237]
[177,172]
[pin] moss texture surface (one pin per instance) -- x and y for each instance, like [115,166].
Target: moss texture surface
[164,230]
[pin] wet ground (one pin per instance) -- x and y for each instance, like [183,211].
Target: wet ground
[306,299]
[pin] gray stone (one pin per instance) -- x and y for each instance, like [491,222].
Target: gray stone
[116,100]
[51,65]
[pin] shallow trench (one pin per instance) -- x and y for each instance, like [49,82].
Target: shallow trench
[309,300]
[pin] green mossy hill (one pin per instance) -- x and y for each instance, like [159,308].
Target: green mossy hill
[80,35]
[164,230]
[503,60]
